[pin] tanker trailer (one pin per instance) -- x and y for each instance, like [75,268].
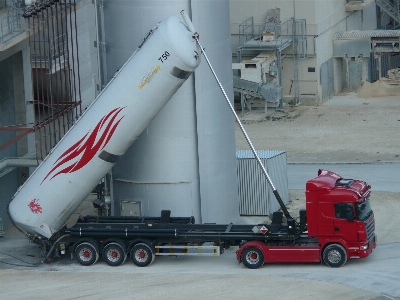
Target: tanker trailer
[137,92]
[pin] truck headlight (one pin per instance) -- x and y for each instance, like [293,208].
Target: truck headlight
[364,247]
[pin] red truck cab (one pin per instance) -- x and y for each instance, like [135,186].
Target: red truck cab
[338,224]
[339,211]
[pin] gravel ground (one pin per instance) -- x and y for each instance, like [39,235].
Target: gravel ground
[362,133]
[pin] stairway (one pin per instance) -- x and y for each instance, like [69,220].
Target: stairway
[390,8]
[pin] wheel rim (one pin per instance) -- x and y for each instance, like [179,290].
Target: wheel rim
[85,254]
[252,257]
[113,255]
[334,256]
[141,255]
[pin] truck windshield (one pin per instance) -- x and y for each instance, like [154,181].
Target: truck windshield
[363,209]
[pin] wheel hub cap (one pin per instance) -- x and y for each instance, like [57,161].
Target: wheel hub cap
[252,257]
[334,256]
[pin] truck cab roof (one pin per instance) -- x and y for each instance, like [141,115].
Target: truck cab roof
[328,181]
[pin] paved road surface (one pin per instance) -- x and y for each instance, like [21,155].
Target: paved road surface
[376,277]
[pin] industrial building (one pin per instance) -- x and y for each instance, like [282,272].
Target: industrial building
[57,56]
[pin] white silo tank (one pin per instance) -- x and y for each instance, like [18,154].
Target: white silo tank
[185,160]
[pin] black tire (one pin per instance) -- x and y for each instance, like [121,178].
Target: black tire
[142,255]
[334,256]
[252,257]
[114,254]
[86,254]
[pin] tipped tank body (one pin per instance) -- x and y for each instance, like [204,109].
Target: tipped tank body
[106,130]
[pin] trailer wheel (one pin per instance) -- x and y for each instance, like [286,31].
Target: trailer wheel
[252,257]
[334,256]
[86,254]
[114,254]
[142,255]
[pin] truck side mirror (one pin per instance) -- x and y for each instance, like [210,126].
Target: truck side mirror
[349,214]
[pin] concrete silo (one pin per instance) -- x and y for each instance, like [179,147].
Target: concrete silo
[185,160]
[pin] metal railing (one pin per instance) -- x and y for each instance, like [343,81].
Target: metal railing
[286,33]
[250,31]
[12,25]
[246,31]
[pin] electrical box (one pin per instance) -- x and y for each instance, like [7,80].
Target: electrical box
[130,208]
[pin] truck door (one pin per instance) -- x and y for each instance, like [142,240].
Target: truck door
[325,217]
[344,225]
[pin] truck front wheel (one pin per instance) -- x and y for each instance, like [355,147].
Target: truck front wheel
[252,257]
[141,255]
[114,255]
[334,256]
[86,254]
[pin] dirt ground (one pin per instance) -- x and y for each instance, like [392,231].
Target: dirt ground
[327,133]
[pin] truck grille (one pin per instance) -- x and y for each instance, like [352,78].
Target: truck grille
[370,225]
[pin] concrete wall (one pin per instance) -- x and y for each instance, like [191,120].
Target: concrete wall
[13,110]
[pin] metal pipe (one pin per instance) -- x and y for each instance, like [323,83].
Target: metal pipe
[33,91]
[77,61]
[65,96]
[53,58]
[50,93]
[46,104]
[61,97]
[17,162]
[37,125]
[188,22]
[75,230]
[72,71]
[41,98]
[68,79]
[105,234]
[100,76]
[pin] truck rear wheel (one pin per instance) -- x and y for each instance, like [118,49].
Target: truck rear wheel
[252,257]
[142,255]
[86,254]
[114,254]
[334,256]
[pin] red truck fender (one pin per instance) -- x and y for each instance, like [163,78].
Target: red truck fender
[334,253]
[251,254]
[326,242]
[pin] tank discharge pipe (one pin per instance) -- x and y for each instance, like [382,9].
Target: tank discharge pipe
[276,193]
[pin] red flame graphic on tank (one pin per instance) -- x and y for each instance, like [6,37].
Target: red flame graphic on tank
[88,146]
[35,206]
